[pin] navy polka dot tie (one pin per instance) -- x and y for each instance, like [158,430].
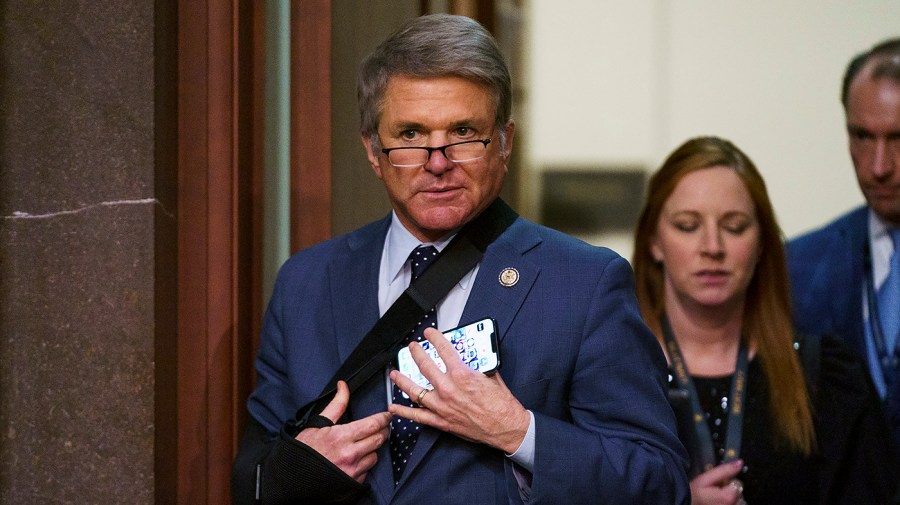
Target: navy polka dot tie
[405,432]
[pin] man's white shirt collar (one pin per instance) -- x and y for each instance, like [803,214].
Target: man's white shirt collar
[399,242]
[881,246]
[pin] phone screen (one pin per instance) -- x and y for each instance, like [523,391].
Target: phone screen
[476,344]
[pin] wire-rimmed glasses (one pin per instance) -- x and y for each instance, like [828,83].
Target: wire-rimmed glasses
[457,152]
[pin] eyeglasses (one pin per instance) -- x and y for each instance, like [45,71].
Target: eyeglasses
[458,152]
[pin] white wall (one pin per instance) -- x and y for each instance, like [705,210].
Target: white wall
[624,82]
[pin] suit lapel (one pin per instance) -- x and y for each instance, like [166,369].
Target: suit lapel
[353,277]
[490,298]
[854,238]
[354,292]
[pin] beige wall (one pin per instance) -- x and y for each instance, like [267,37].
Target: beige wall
[623,83]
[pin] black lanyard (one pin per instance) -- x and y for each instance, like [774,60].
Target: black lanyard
[888,361]
[735,408]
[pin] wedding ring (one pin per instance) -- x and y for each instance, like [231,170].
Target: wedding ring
[422,395]
[738,486]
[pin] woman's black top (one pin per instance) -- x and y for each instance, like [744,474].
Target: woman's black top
[852,463]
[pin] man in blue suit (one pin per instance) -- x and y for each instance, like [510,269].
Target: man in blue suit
[839,273]
[577,413]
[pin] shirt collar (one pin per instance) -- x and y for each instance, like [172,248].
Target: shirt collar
[399,242]
[881,247]
[878,230]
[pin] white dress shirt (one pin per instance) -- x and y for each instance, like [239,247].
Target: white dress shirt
[394,277]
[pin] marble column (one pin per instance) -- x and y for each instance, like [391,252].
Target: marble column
[79,251]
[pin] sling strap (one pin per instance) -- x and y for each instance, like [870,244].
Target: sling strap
[378,347]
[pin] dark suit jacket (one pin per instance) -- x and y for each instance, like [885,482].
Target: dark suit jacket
[574,351]
[855,463]
[828,269]
[827,272]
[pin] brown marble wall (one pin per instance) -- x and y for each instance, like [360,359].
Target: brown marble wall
[78,213]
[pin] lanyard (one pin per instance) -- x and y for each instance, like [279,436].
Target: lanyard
[735,408]
[888,361]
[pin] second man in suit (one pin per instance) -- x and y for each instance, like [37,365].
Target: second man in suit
[840,273]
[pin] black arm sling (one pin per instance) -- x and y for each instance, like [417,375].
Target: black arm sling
[378,347]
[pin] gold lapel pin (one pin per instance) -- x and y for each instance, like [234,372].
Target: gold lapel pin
[509,277]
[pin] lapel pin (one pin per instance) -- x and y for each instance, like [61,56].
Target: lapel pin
[509,277]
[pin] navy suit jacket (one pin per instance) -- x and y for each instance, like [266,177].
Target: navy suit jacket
[574,351]
[827,269]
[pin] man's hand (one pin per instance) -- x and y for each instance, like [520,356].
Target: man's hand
[464,402]
[351,447]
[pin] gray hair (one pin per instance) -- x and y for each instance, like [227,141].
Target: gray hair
[436,45]
[886,56]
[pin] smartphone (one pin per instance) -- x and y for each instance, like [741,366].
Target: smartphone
[476,344]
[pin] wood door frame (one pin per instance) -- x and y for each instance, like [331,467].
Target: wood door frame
[214,52]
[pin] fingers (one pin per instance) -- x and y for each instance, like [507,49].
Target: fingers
[721,474]
[417,393]
[436,373]
[421,396]
[435,337]
[376,423]
[405,383]
[463,401]
[719,485]
[469,405]
[335,409]
[444,348]
[355,453]
[370,432]
[427,366]
[420,415]
[737,486]
[351,447]
[364,437]
[361,470]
